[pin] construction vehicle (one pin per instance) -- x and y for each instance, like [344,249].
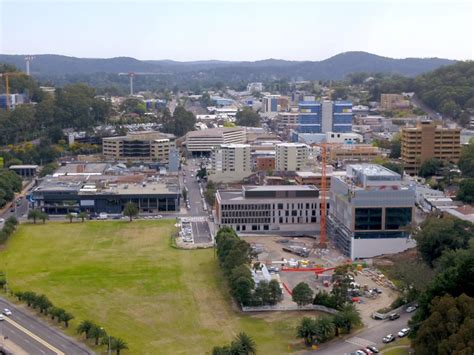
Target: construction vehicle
[298,250]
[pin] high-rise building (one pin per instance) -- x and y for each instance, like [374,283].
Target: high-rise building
[272,104]
[326,116]
[370,211]
[291,156]
[429,140]
[230,162]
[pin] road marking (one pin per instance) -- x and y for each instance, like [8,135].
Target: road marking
[360,341]
[34,336]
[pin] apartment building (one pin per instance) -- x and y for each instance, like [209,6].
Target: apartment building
[429,140]
[203,142]
[287,120]
[230,162]
[144,146]
[389,102]
[291,156]
[272,104]
[371,211]
[269,209]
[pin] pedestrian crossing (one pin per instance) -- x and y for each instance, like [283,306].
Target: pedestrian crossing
[194,219]
[360,342]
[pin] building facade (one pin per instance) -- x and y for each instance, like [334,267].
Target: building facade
[142,146]
[272,104]
[389,102]
[265,163]
[370,212]
[429,140]
[291,156]
[269,209]
[230,162]
[203,142]
[326,116]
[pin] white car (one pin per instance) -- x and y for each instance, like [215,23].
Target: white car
[2,317]
[403,332]
[411,309]
[7,312]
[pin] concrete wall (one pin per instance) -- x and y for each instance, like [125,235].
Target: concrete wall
[368,248]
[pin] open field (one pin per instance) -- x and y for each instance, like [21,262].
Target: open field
[128,278]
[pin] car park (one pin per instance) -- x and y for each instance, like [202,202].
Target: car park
[393,316]
[404,332]
[7,312]
[388,338]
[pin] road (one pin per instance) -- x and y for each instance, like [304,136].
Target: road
[194,194]
[368,336]
[34,336]
[19,210]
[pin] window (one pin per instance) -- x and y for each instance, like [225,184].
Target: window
[396,218]
[368,218]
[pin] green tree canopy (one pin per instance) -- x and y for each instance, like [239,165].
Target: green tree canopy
[302,294]
[130,210]
[248,118]
[429,167]
[180,123]
[466,160]
[466,190]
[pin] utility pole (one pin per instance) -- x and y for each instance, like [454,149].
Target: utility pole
[28,60]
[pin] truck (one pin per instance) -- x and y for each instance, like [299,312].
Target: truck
[300,251]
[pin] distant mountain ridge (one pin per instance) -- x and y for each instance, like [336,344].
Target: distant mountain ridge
[336,67]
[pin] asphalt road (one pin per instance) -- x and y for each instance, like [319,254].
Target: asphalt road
[201,232]
[18,212]
[194,195]
[368,336]
[35,336]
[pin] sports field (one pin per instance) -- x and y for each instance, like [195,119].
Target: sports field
[128,278]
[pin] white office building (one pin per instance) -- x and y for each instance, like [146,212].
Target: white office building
[230,163]
[291,156]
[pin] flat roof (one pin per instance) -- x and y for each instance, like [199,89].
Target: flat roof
[280,188]
[23,167]
[213,132]
[306,174]
[235,145]
[373,170]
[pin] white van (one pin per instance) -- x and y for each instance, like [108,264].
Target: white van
[103,216]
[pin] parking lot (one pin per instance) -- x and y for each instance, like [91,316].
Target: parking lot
[195,230]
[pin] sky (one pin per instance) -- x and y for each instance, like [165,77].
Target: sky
[238,30]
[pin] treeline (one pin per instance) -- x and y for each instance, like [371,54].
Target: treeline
[72,106]
[234,256]
[446,245]
[7,230]
[10,183]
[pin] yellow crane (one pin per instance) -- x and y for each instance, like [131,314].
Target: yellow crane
[7,85]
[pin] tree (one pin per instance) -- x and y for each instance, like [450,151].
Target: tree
[238,255]
[307,330]
[243,344]
[466,190]
[275,293]
[396,146]
[466,160]
[302,294]
[429,167]
[247,117]
[324,328]
[55,312]
[84,327]
[118,345]
[96,333]
[130,210]
[34,214]
[43,216]
[66,317]
[70,216]
[436,235]
[184,192]
[449,328]
[82,216]
[242,289]
[347,318]
[180,123]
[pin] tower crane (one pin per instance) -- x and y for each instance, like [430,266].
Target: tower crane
[28,60]
[7,86]
[131,75]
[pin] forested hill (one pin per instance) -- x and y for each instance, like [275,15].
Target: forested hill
[337,67]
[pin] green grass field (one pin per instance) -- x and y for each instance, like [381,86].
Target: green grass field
[128,278]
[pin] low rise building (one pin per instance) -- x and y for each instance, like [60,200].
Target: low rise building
[269,209]
[198,142]
[149,146]
[371,212]
[25,171]
[315,178]
[353,153]
[391,102]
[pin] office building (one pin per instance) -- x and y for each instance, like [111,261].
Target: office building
[92,189]
[291,156]
[265,163]
[371,212]
[230,163]
[272,104]
[149,146]
[251,87]
[287,120]
[354,153]
[315,178]
[389,102]
[269,209]
[203,142]
[326,116]
[429,140]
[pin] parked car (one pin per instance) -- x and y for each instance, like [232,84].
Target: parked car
[2,317]
[394,316]
[373,349]
[377,290]
[7,312]
[410,309]
[388,338]
[366,351]
[404,332]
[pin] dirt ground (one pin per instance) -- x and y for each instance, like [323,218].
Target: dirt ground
[272,253]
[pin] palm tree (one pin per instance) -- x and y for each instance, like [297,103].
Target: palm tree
[65,317]
[244,344]
[96,332]
[29,297]
[82,216]
[70,216]
[130,210]
[349,317]
[307,330]
[43,216]
[84,327]
[34,215]
[324,328]
[118,344]
[55,312]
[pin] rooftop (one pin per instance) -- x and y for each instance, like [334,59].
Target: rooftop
[372,170]
[280,188]
[213,132]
